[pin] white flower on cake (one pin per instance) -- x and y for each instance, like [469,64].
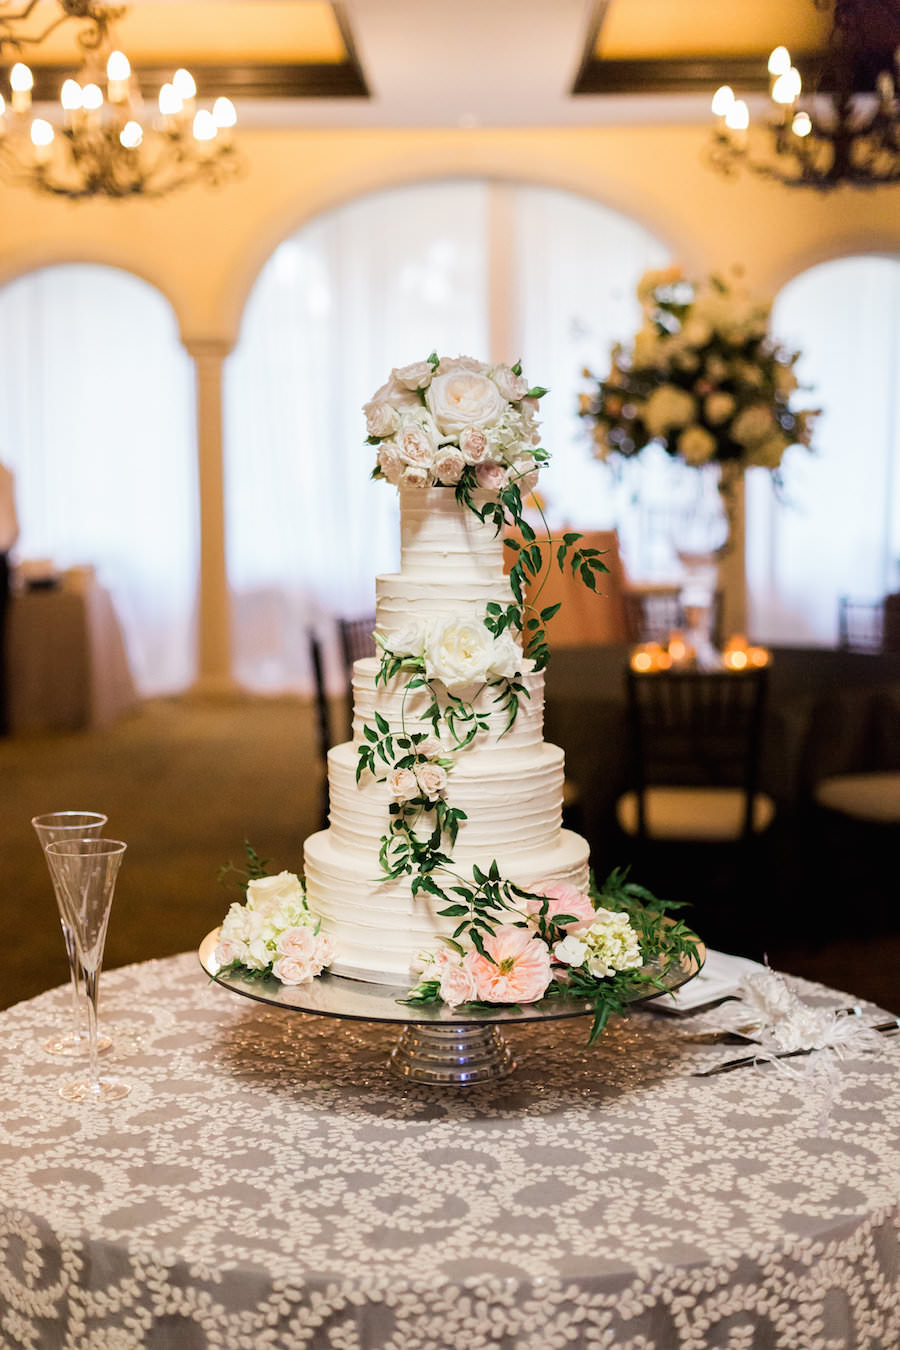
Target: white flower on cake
[416,438]
[274,930]
[464,398]
[602,947]
[491,477]
[402,785]
[461,652]
[415,376]
[406,641]
[382,419]
[473,445]
[432,780]
[389,461]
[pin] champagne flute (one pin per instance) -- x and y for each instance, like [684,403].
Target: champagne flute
[49,829]
[85,872]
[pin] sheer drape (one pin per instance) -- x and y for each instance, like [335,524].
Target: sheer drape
[96,420]
[838,530]
[375,284]
[372,285]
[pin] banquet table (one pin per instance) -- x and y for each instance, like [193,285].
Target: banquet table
[268,1183]
[67,666]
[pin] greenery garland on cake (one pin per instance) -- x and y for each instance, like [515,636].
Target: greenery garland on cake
[463,425]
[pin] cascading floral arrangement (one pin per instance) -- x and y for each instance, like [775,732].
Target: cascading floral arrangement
[703,378]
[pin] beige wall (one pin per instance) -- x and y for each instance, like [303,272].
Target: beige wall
[204,248]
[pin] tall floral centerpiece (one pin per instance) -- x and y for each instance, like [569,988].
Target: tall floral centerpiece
[705,380]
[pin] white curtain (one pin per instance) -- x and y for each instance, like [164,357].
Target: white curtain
[373,285]
[577,264]
[838,530]
[96,421]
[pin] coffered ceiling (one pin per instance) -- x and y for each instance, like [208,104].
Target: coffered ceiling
[462,63]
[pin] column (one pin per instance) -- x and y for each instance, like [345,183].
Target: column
[213,607]
[733,568]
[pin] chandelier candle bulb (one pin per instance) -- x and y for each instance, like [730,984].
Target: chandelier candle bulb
[92,98]
[21,82]
[131,135]
[186,88]
[801,124]
[118,73]
[722,100]
[204,128]
[170,101]
[42,135]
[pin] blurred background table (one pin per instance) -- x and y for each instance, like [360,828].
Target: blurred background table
[67,667]
[269,1182]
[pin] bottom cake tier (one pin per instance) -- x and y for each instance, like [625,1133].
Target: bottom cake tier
[377,927]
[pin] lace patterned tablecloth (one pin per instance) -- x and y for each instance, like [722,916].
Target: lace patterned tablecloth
[268,1185]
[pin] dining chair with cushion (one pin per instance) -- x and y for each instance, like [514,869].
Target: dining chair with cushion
[695,741]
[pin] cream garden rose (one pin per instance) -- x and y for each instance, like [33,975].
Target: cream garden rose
[402,785]
[415,376]
[449,464]
[464,398]
[513,387]
[431,779]
[382,419]
[268,895]
[458,652]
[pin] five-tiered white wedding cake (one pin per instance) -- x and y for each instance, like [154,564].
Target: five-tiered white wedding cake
[507,780]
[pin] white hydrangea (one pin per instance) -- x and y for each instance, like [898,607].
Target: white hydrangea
[604,946]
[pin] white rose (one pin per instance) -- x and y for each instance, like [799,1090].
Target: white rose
[473,445]
[696,445]
[448,465]
[430,747]
[416,438]
[258,955]
[598,967]
[458,652]
[512,387]
[718,407]
[506,657]
[753,426]
[267,895]
[396,395]
[464,398]
[416,376]
[432,780]
[667,407]
[451,363]
[228,951]
[570,951]
[389,461]
[402,785]
[381,418]
[415,476]
[293,969]
[238,923]
[491,477]
[408,640]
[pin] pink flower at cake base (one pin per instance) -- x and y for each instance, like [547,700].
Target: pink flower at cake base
[302,955]
[230,950]
[492,477]
[562,898]
[519,970]
[458,984]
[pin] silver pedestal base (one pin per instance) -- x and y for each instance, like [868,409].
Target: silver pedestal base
[451,1056]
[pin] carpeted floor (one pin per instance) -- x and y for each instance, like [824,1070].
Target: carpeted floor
[184,782]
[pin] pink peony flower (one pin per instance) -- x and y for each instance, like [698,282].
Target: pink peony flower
[562,899]
[520,969]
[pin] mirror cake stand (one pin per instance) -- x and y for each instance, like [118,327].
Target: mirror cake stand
[438,1046]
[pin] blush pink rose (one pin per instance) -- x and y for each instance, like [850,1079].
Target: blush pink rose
[293,969]
[458,984]
[491,477]
[562,899]
[230,950]
[298,942]
[519,971]
[474,445]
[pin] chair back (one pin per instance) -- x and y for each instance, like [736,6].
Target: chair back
[653,613]
[696,729]
[860,624]
[323,726]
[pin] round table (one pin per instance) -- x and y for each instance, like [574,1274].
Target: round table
[268,1184]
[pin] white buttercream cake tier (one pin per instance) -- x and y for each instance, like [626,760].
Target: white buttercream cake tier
[511,801]
[378,927]
[403,709]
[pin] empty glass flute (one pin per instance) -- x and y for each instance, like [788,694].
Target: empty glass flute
[50,829]
[85,872]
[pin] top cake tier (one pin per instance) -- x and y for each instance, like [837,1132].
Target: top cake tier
[442,540]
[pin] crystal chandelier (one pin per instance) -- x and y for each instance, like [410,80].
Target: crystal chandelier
[846,130]
[101,141]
